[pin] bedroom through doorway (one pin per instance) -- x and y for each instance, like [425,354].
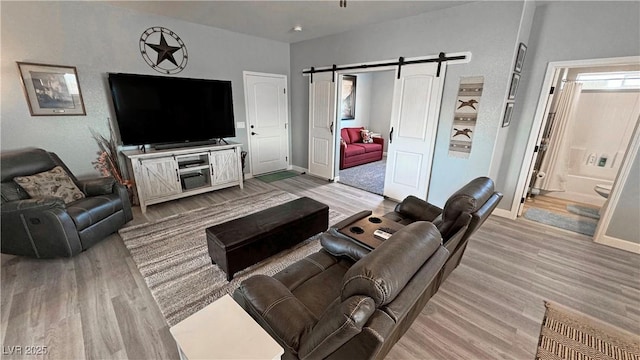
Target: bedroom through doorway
[365,119]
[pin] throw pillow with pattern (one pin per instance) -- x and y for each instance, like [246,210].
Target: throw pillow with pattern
[55,182]
[366,136]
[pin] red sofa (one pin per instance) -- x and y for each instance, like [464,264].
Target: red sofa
[354,152]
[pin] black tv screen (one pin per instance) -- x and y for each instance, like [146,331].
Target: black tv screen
[170,110]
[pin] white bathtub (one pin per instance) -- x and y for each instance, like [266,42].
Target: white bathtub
[580,189]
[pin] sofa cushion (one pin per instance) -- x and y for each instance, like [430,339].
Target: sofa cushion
[372,147]
[88,211]
[366,136]
[55,182]
[354,149]
[354,134]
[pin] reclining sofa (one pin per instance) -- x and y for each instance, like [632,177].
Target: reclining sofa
[47,226]
[335,305]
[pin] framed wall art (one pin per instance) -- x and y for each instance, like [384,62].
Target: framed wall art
[508,112]
[522,50]
[513,89]
[51,89]
[348,97]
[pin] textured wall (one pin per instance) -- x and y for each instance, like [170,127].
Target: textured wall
[564,30]
[487,29]
[99,39]
[624,220]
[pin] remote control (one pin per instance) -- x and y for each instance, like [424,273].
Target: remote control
[381,234]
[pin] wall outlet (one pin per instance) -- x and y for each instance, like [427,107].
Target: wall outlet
[602,161]
[592,159]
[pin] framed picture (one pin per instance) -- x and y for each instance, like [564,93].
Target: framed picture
[513,89]
[508,112]
[51,89]
[522,50]
[348,97]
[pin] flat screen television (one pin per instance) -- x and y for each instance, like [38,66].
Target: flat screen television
[161,110]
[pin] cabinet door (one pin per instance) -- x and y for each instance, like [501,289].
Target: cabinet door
[160,177]
[224,166]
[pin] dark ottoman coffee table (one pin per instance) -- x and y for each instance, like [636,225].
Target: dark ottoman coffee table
[242,242]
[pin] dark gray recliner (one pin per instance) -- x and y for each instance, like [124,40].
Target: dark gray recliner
[463,213]
[47,227]
[329,306]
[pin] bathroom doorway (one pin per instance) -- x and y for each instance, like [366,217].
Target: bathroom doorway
[591,118]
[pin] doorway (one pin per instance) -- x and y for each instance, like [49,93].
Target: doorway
[417,93]
[365,104]
[590,121]
[267,117]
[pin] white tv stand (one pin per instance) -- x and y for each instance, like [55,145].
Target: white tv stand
[164,175]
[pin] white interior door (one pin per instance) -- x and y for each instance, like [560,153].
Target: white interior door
[267,115]
[414,121]
[322,114]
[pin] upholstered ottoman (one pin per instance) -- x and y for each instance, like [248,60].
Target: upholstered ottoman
[242,242]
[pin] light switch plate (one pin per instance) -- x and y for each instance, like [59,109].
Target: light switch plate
[240,124]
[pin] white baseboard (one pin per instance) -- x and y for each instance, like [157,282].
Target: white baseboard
[503,213]
[619,243]
[298,169]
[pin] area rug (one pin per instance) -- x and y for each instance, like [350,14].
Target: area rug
[592,212]
[368,177]
[568,334]
[575,223]
[280,175]
[173,259]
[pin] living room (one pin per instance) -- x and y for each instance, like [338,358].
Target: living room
[98,38]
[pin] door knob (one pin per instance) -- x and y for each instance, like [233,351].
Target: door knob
[254,133]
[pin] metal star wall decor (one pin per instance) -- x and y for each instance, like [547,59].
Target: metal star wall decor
[167,57]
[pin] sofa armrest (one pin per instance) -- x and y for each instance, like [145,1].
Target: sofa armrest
[34,204]
[378,140]
[97,186]
[418,209]
[341,322]
[39,228]
[276,309]
[351,219]
[338,244]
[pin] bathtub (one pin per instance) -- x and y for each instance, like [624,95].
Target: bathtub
[580,189]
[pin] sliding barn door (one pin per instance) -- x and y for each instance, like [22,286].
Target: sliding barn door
[414,121]
[322,114]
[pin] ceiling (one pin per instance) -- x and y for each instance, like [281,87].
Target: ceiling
[275,19]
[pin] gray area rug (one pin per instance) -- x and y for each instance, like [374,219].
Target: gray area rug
[592,212]
[368,177]
[172,254]
[576,223]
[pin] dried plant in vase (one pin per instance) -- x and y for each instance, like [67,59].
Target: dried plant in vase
[107,163]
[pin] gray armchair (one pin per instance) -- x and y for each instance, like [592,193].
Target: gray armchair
[46,227]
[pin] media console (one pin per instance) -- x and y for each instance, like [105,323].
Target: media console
[164,175]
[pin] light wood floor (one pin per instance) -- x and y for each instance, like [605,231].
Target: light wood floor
[553,204]
[97,306]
